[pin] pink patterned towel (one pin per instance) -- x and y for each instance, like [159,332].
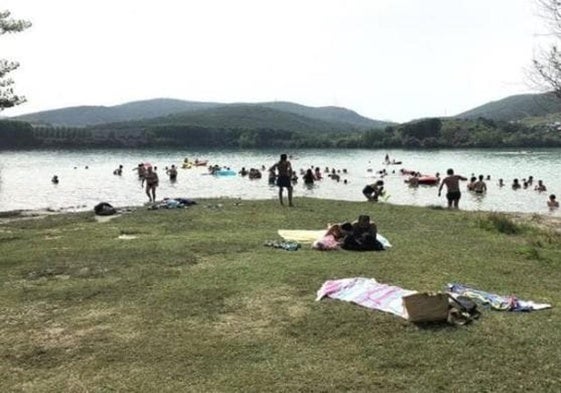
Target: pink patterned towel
[368,293]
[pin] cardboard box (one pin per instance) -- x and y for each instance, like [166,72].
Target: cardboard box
[426,307]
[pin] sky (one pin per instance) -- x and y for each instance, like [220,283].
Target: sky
[392,60]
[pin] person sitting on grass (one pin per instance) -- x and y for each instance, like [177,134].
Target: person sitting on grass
[362,237]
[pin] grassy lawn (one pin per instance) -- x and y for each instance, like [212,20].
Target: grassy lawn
[196,303]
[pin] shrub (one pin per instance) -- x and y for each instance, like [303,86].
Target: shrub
[501,223]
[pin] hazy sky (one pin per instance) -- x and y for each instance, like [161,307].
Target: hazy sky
[386,59]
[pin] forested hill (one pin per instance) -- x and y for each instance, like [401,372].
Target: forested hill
[254,116]
[516,108]
[332,118]
[81,116]
[327,113]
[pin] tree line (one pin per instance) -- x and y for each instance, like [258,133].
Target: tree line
[425,133]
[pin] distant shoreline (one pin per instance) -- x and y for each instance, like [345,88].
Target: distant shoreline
[544,221]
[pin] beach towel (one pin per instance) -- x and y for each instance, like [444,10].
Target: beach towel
[301,236]
[494,301]
[367,292]
[309,236]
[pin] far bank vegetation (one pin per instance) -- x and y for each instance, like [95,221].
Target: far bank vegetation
[425,133]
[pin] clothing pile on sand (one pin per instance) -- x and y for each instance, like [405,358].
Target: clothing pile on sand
[173,203]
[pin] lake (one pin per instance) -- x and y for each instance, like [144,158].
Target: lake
[86,176]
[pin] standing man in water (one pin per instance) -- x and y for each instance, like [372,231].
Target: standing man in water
[284,170]
[453,188]
[152,181]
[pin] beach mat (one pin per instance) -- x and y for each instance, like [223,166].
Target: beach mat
[309,236]
[301,236]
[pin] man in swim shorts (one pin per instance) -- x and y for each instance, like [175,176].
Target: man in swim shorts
[453,188]
[152,181]
[284,170]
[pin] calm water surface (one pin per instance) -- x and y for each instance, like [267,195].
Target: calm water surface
[25,176]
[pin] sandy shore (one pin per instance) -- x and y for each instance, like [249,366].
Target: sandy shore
[16,215]
[542,221]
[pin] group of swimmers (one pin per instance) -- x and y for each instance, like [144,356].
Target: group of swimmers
[525,184]
[253,173]
[282,174]
[313,174]
[477,185]
[55,179]
[540,187]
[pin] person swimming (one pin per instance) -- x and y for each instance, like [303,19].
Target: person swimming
[540,187]
[273,176]
[317,174]
[309,178]
[552,202]
[471,184]
[172,173]
[480,187]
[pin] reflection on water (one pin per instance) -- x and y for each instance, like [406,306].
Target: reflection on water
[86,177]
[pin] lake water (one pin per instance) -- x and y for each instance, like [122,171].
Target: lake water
[25,176]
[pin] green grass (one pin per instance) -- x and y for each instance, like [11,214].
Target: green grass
[196,303]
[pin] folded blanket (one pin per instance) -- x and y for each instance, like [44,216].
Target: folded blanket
[309,236]
[366,292]
[496,302]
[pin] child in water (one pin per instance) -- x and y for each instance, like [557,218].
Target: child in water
[552,202]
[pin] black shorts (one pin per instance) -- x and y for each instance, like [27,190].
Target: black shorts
[454,195]
[284,181]
[368,190]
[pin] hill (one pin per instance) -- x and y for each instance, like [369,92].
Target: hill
[327,113]
[516,108]
[82,116]
[257,116]
[201,112]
